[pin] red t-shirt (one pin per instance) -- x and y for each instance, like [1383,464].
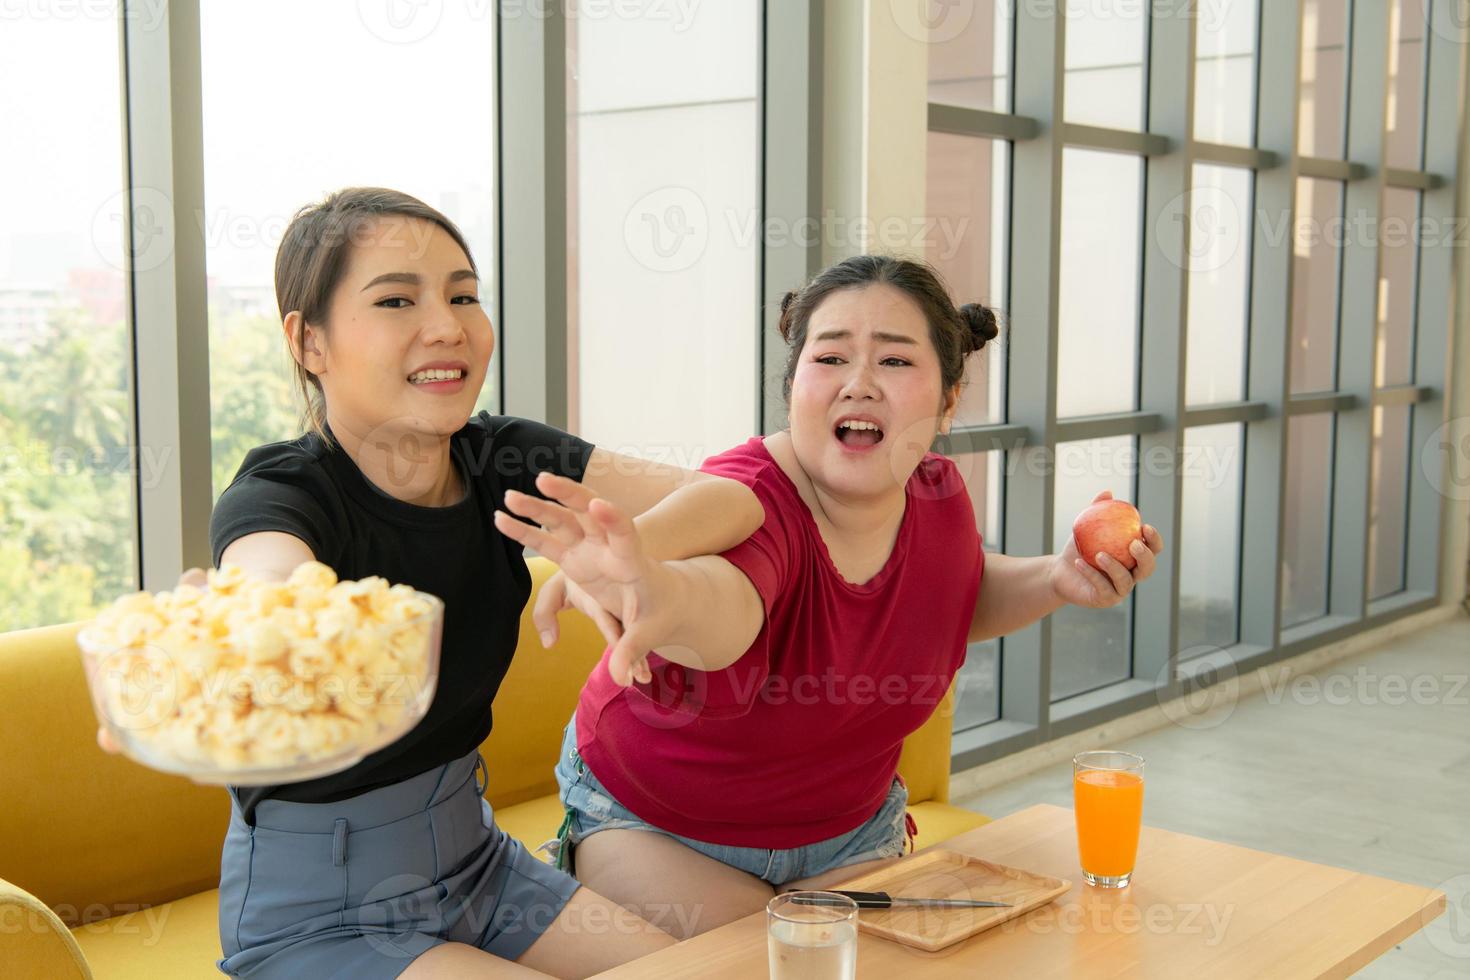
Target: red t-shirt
[798,740]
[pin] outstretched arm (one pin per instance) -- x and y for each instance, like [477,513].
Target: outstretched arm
[679,513]
[1017,592]
[700,612]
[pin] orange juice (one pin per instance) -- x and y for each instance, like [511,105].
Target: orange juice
[1109,814]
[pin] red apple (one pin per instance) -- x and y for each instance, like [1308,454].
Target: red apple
[1109,526]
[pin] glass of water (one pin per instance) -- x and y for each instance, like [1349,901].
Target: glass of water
[812,936]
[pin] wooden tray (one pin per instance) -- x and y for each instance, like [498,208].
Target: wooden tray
[949,874]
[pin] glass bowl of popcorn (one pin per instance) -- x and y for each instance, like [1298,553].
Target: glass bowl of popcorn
[250,682]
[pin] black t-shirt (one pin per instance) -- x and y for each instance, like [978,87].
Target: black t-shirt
[318,494]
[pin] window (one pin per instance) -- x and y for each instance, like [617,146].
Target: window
[1406,64]
[1393,362]
[1225,73]
[1219,285]
[1322,114]
[1104,64]
[1317,249]
[1389,514]
[970,56]
[977,686]
[67,469]
[665,227]
[1090,647]
[420,120]
[1209,547]
[1308,512]
[968,190]
[1097,369]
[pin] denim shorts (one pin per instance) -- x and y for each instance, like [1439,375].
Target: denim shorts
[590,808]
[360,887]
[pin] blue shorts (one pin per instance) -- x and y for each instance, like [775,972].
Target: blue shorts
[360,887]
[590,808]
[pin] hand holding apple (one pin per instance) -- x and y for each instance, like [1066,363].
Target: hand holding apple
[1120,553]
[1108,526]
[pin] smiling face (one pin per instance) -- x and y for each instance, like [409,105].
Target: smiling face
[866,398]
[408,343]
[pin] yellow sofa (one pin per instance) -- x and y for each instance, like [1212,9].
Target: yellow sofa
[111,870]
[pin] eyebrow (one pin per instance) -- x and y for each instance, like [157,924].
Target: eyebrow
[889,338]
[414,279]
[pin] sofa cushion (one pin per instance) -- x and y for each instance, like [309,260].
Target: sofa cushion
[177,940]
[941,821]
[89,830]
[533,823]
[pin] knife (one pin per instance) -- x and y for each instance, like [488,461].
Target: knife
[883,900]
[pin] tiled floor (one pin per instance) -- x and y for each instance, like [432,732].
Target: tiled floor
[1363,765]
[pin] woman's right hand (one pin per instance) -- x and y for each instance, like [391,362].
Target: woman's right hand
[596,546]
[195,577]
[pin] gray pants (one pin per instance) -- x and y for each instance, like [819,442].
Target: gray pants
[360,887]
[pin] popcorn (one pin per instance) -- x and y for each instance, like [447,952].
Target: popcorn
[249,674]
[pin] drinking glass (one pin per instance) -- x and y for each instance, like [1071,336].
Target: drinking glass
[812,935]
[1107,789]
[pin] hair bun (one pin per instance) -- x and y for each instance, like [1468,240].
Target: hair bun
[981,321]
[784,324]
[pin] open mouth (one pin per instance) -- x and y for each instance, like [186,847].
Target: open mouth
[858,433]
[436,376]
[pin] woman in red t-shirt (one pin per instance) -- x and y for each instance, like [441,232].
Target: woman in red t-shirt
[757,749]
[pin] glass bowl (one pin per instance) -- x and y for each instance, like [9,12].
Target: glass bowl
[196,710]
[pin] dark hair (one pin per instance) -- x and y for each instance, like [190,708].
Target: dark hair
[313,257]
[955,332]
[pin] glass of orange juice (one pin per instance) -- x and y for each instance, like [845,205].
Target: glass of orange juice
[1107,789]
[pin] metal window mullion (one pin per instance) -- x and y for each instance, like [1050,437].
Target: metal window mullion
[1429,509]
[963,121]
[1419,180]
[1036,194]
[1324,168]
[163,136]
[1409,394]
[1003,437]
[1310,403]
[1118,140]
[532,97]
[1243,157]
[791,178]
[1224,413]
[1348,577]
[1163,329]
[1269,338]
[1079,427]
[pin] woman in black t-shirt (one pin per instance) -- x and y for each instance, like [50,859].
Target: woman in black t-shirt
[395,866]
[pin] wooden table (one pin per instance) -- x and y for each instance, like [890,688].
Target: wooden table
[1197,909]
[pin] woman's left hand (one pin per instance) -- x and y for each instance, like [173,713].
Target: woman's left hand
[1073,580]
